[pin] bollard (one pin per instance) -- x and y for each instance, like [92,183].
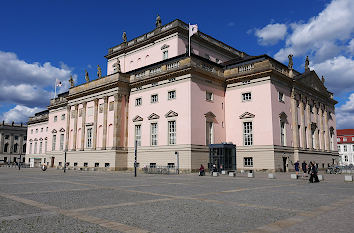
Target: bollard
[233,174]
[348,178]
[271,176]
[223,172]
[250,174]
[215,173]
[320,177]
[294,176]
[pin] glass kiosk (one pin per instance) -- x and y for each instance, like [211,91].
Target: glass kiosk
[223,156]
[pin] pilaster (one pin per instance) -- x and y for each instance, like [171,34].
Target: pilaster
[117,120]
[95,114]
[294,120]
[322,130]
[1,143]
[105,109]
[75,126]
[67,132]
[327,133]
[309,121]
[302,123]
[83,123]
[317,139]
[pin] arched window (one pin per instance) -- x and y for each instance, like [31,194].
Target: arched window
[283,121]
[16,148]
[24,148]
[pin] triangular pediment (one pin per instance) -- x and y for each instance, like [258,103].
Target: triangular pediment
[310,79]
[41,139]
[209,115]
[247,115]
[171,114]
[62,130]
[137,118]
[54,131]
[153,116]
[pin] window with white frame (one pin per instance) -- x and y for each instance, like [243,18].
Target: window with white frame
[346,158]
[138,134]
[172,132]
[30,149]
[247,134]
[138,101]
[62,117]
[282,134]
[170,165]
[54,141]
[248,161]
[209,133]
[40,147]
[89,138]
[344,139]
[246,96]
[171,95]
[281,96]
[35,148]
[61,145]
[209,96]
[154,98]
[153,134]
[344,148]
[55,118]
[165,55]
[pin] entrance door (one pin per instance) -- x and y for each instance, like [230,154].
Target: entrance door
[52,162]
[284,164]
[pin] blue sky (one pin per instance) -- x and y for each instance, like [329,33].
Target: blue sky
[44,40]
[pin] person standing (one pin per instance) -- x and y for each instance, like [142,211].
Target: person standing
[304,167]
[297,164]
[201,170]
[313,173]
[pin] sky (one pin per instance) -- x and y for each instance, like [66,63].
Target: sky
[41,41]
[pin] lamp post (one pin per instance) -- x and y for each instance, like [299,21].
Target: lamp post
[64,161]
[177,155]
[136,156]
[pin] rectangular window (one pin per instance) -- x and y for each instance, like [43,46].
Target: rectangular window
[154,98]
[30,149]
[247,134]
[55,118]
[106,165]
[246,96]
[90,111]
[89,138]
[171,95]
[171,165]
[165,55]
[75,164]
[152,165]
[111,106]
[54,142]
[172,132]
[345,148]
[62,117]
[35,148]
[138,101]
[209,133]
[40,147]
[138,134]
[281,96]
[85,164]
[248,161]
[97,164]
[209,96]
[153,134]
[282,134]
[45,146]
[346,158]
[61,142]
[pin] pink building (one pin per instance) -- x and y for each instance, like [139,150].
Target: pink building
[167,101]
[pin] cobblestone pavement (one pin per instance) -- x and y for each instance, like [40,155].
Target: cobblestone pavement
[77,201]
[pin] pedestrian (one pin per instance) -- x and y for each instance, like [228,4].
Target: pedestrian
[304,167]
[297,164]
[201,170]
[313,173]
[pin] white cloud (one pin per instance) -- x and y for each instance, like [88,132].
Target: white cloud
[19,114]
[339,73]
[271,34]
[351,46]
[329,30]
[345,114]
[27,84]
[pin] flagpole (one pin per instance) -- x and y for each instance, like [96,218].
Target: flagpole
[189,39]
[55,89]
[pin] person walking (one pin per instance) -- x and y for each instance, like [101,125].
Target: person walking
[313,173]
[201,170]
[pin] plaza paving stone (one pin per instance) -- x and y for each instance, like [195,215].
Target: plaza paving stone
[78,201]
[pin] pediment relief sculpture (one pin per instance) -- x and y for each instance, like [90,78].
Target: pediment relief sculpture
[54,131]
[153,116]
[209,115]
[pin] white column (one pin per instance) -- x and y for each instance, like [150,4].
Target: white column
[294,120]
[83,124]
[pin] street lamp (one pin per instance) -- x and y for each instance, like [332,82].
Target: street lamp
[177,155]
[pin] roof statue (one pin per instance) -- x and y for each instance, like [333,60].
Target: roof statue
[87,76]
[291,63]
[323,79]
[158,21]
[71,81]
[307,63]
[124,37]
[116,66]
[99,71]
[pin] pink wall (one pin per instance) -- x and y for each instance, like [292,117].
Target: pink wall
[58,125]
[180,105]
[260,106]
[37,137]
[200,107]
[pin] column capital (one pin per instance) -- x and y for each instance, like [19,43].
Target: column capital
[105,98]
[96,100]
[118,97]
[84,104]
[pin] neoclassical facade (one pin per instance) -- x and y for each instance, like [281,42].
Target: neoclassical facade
[166,101]
[13,140]
[345,140]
